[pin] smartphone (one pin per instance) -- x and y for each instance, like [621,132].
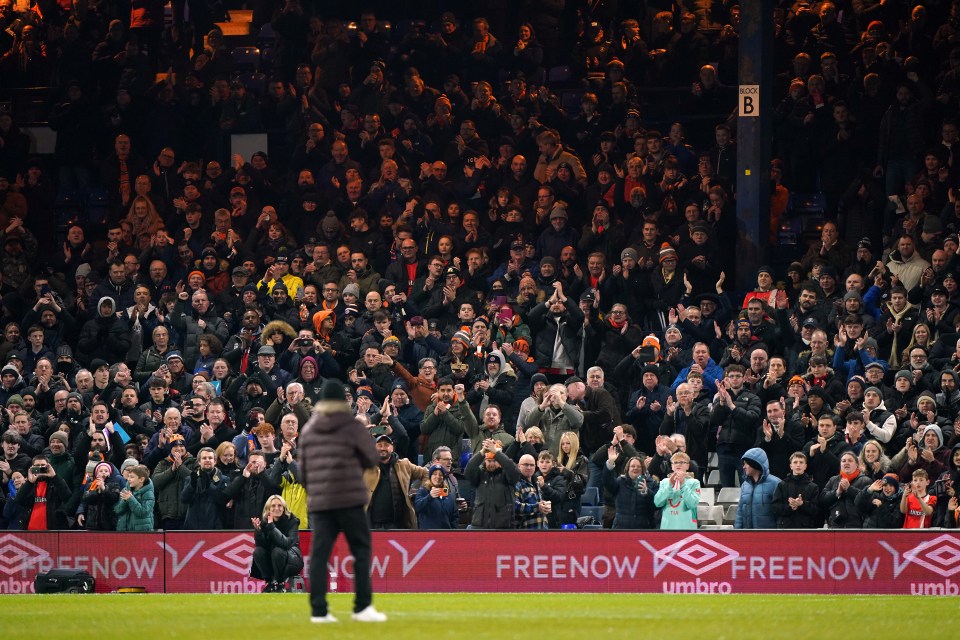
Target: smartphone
[444,492]
[44,290]
[379,430]
[499,300]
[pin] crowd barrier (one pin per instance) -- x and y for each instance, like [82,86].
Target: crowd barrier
[815,562]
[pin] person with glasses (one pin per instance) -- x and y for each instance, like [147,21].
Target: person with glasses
[408,266]
[678,495]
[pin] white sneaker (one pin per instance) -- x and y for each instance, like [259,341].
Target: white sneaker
[323,619]
[369,615]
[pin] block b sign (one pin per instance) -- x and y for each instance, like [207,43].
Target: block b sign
[749,104]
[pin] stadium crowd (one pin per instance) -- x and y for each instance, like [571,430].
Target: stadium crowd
[525,290]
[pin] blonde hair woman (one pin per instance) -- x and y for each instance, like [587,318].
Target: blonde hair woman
[569,457]
[276,536]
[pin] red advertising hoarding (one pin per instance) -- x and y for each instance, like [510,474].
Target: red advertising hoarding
[817,562]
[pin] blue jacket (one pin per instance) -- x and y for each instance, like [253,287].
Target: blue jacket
[435,513]
[755,509]
[711,373]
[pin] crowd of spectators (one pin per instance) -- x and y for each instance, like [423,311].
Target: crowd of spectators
[526,291]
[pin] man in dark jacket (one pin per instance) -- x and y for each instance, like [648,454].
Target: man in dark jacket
[105,336]
[203,493]
[736,414]
[250,491]
[795,498]
[494,475]
[336,449]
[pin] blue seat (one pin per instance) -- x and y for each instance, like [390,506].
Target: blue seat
[246,58]
[591,496]
[254,82]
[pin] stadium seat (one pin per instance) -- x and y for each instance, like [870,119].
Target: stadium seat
[731,514]
[591,496]
[246,58]
[714,478]
[713,460]
[267,36]
[729,495]
[559,75]
[254,82]
[708,496]
[709,514]
[595,512]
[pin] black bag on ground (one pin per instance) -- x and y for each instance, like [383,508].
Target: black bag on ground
[64,581]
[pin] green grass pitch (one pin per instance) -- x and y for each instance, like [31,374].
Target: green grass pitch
[480,616]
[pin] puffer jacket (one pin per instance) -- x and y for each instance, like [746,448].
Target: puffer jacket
[841,512]
[805,517]
[493,502]
[136,514]
[168,486]
[282,534]
[335,449]
[634,503]
[755,509]
[886,515]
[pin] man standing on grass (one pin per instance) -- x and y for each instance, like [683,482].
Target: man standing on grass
[335,449]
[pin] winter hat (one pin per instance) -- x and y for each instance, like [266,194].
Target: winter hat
[872,390]
[651,341]
[16,399]
[11,369]
[892,480]
[436,467]
[903,373]
[390,340]
[61,436]
[64,351]
[332,390]
[103,464]
[129,462]
[628,253]
[935,429]
[765,269]
[462,337]
[667,252]
[538,377]
[352,289]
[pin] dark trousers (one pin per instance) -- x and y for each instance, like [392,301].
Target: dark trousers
[326,526]
[731,468]
[276,564]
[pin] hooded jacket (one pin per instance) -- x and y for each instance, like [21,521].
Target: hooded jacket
[948,405]
[105,336]
[886,515]
[755,509]
[335,449]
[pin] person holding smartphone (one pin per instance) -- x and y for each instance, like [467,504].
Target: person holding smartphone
[42,497]
[435,507]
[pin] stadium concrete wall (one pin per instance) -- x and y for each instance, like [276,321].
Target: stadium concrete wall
[815,562]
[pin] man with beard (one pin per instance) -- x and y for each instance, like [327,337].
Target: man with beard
[447,419]
[390,505]
[203,493]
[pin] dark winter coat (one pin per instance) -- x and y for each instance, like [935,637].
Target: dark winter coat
[841,512]
[755,509]
[805,517]
[204,497]
[634,503]
[493,502]
[885,516]
[335,449]
[282,534]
